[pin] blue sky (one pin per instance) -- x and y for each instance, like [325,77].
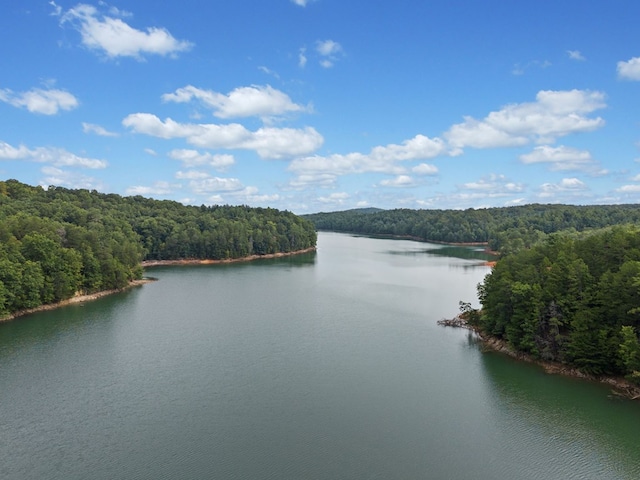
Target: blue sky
[322,105]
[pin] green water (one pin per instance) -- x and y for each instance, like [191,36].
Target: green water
[321,366]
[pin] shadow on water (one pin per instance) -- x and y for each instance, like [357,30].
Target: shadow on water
[585,417]
[72,320]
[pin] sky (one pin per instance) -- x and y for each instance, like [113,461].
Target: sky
[325,105]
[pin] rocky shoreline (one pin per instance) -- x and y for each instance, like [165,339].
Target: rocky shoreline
[620,386]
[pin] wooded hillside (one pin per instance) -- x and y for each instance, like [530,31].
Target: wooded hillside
[56,242]
[574,300]
[504,229]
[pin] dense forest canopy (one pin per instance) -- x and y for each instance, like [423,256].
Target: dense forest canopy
[570,299]
[504,229]
[55,242]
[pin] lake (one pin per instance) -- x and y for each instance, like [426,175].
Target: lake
[328,365]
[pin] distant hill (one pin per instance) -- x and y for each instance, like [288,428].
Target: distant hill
[504,229]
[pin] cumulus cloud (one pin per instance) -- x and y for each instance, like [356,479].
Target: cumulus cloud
[425,169]
[305,180]
[494,185]
[337,198]
[228,191]
[64,178]
[97,129]
[554,114]
[381,159]
[45,102]
[629,70]
[482,193]
[52,155]
[560,158]
[115,38]
[629,189]
[267,142]
[194,158]
[256,100]
[398,181]
[215,185]
[566,185]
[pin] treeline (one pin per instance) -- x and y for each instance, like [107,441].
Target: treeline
[505,229]
[58,241]
[573,299]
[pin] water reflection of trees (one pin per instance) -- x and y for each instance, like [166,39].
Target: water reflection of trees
[584,425]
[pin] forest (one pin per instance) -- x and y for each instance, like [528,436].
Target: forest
[56,242]
[573,299]
[505,229]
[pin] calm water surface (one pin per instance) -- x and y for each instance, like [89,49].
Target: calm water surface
[321,366]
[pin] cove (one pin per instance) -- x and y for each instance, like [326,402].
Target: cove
[324,365]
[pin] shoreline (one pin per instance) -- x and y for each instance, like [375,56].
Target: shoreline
[197,261]
[620,386]
[78,298]
[81,298]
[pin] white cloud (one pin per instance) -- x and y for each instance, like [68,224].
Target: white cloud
[116,38]
[97,129]
[57,10]
[329,52]
[46,102]
[52,155]
[158,188]
[566,185]
[399,181]
[193,158]
[62,178]
[267,142]
[328,47]
[262,101]
[381,159]
[151,151]
[576,55]
[629,70]
[192,175]
[314,179]
[225,190]
[560,158]
[301,3]
[425,169]
[337,198]
[629,189]
[554,114]
[215,184]
[250,196]
[494,185]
